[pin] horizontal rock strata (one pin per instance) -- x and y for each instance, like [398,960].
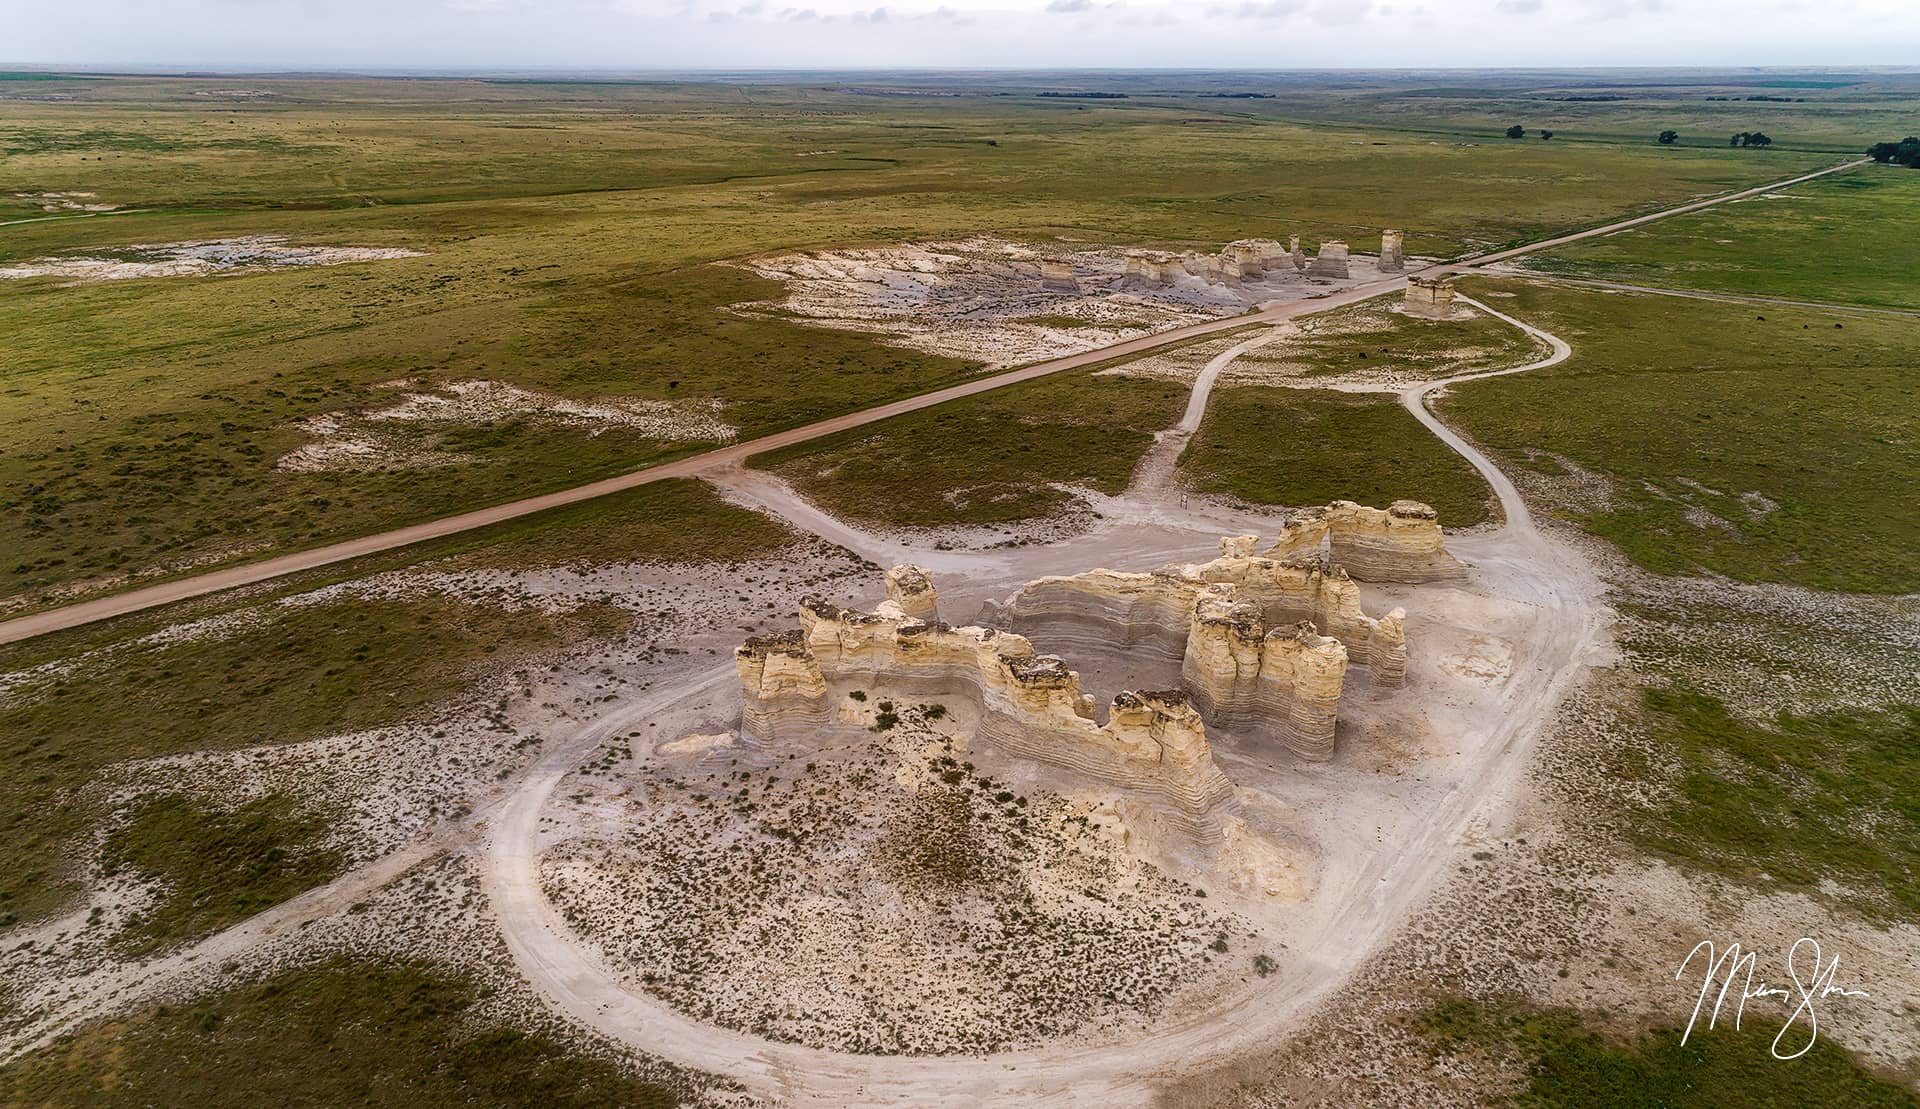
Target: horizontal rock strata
[1401,543]
[1030,705]
[1156,611]
[910,590]
[1283,683]
[1429,298]
[1393,253]
[1330,260]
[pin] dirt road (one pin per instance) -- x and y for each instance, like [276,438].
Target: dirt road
[1518,561]
[1689,294]
[119,604]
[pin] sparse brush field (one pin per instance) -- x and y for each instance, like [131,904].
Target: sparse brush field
[1800,801]
[1853,238]
[569,232]
[1285,446]
[394,1033]
[274,675]
[1762,443]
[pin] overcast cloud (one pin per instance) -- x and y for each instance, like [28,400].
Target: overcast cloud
[645,34]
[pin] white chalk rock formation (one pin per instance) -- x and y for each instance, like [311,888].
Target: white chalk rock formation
[1393,254]
[1057,277]
[1153,744]
[1284,684]
[1429,298]
[1331,261]
[1307,589]
[1150,269]
[783,686]
[1248,259]
[1401,543]
[1303,534]
[1299,256]
[910,591]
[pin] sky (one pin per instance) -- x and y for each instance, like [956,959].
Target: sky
[732,34]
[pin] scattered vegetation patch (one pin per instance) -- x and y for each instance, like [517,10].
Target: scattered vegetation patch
[283,673]
[1798,802]
[1370,342]
[400,1034]
[218,867]
[1567,1064]
[1760,443]
[1275,445]
[883,897]
[680,520]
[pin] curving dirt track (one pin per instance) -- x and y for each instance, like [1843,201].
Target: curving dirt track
[1524,565]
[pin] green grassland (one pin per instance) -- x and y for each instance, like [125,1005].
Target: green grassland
[219,867]
[1853,238]
[988,459]
[299,672]
[1281,446]
[344,1032]
[1570,1065]
[1793,803]
[1770,444]
[571,231]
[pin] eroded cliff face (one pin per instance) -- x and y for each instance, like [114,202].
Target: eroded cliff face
[1393,251]
[1290,590]
[1153,745]
[1158,611]
[1282,684]
[1331,260]
[1400,543]
[910,591]
[1264,643]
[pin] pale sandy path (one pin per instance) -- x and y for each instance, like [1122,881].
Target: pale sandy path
[1518,561]
[1153,477]
[79,215]
[86,612]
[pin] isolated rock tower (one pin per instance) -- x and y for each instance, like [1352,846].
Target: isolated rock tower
[1430,298]
[1331,261]
[1393,255]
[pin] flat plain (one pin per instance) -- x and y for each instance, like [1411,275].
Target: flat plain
[269,832]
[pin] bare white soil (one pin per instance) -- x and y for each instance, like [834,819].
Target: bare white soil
[68,202]
[876,893]
[198,258]
[982,299]
[404,435]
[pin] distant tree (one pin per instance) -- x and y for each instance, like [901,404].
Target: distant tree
[1906,152]
[1668,138]
[1883,152]
[1516,132]
[1545,135]
[1738,140]
[1757,138]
